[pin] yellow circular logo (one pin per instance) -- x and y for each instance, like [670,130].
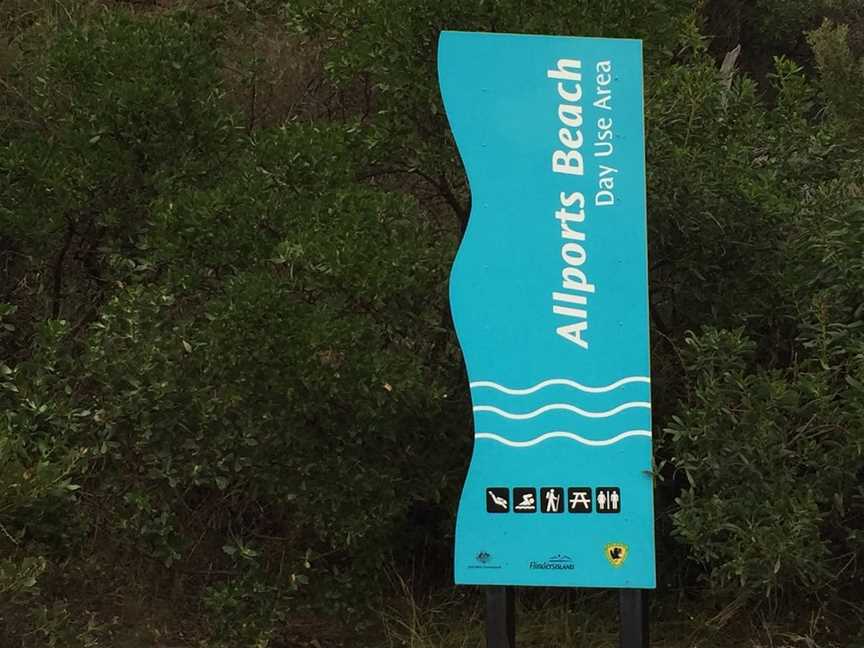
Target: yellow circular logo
[616,553]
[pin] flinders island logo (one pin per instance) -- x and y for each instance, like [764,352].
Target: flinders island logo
[558,561]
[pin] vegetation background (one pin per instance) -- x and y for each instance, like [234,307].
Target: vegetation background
[232,408]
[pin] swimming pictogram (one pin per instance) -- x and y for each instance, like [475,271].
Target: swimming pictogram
[525,500]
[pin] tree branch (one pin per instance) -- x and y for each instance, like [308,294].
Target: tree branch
[57,291]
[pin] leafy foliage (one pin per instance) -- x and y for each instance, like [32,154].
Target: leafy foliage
[227,364]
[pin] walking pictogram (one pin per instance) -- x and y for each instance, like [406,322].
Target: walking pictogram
[552,500]
[497,500]
[608,499]
[579,499]
[525,500]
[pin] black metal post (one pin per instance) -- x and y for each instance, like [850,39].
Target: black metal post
[633,606]
[500,617]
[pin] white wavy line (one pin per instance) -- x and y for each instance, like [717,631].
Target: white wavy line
[563,435]
[561,406]
[559,381]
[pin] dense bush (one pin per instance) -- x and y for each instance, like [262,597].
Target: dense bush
[769,435]
[227,363]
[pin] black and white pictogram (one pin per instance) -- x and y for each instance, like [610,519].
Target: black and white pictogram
[552,500]
[579,499]
[608,499]
[525,500]
[497,500]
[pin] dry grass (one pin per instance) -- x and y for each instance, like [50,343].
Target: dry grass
[588,619]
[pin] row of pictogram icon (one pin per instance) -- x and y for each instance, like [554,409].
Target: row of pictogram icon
[580,499]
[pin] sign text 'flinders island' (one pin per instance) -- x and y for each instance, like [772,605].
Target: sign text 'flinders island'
[549,299]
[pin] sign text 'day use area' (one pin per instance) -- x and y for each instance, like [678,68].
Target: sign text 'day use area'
[549,299]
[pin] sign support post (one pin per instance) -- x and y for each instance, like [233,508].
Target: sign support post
[500,617]
[633,606]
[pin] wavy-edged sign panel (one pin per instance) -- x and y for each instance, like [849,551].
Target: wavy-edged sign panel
[549,299]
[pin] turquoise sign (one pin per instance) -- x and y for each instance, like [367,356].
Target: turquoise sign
[549,300]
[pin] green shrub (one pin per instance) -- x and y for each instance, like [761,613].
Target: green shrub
[230,364]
